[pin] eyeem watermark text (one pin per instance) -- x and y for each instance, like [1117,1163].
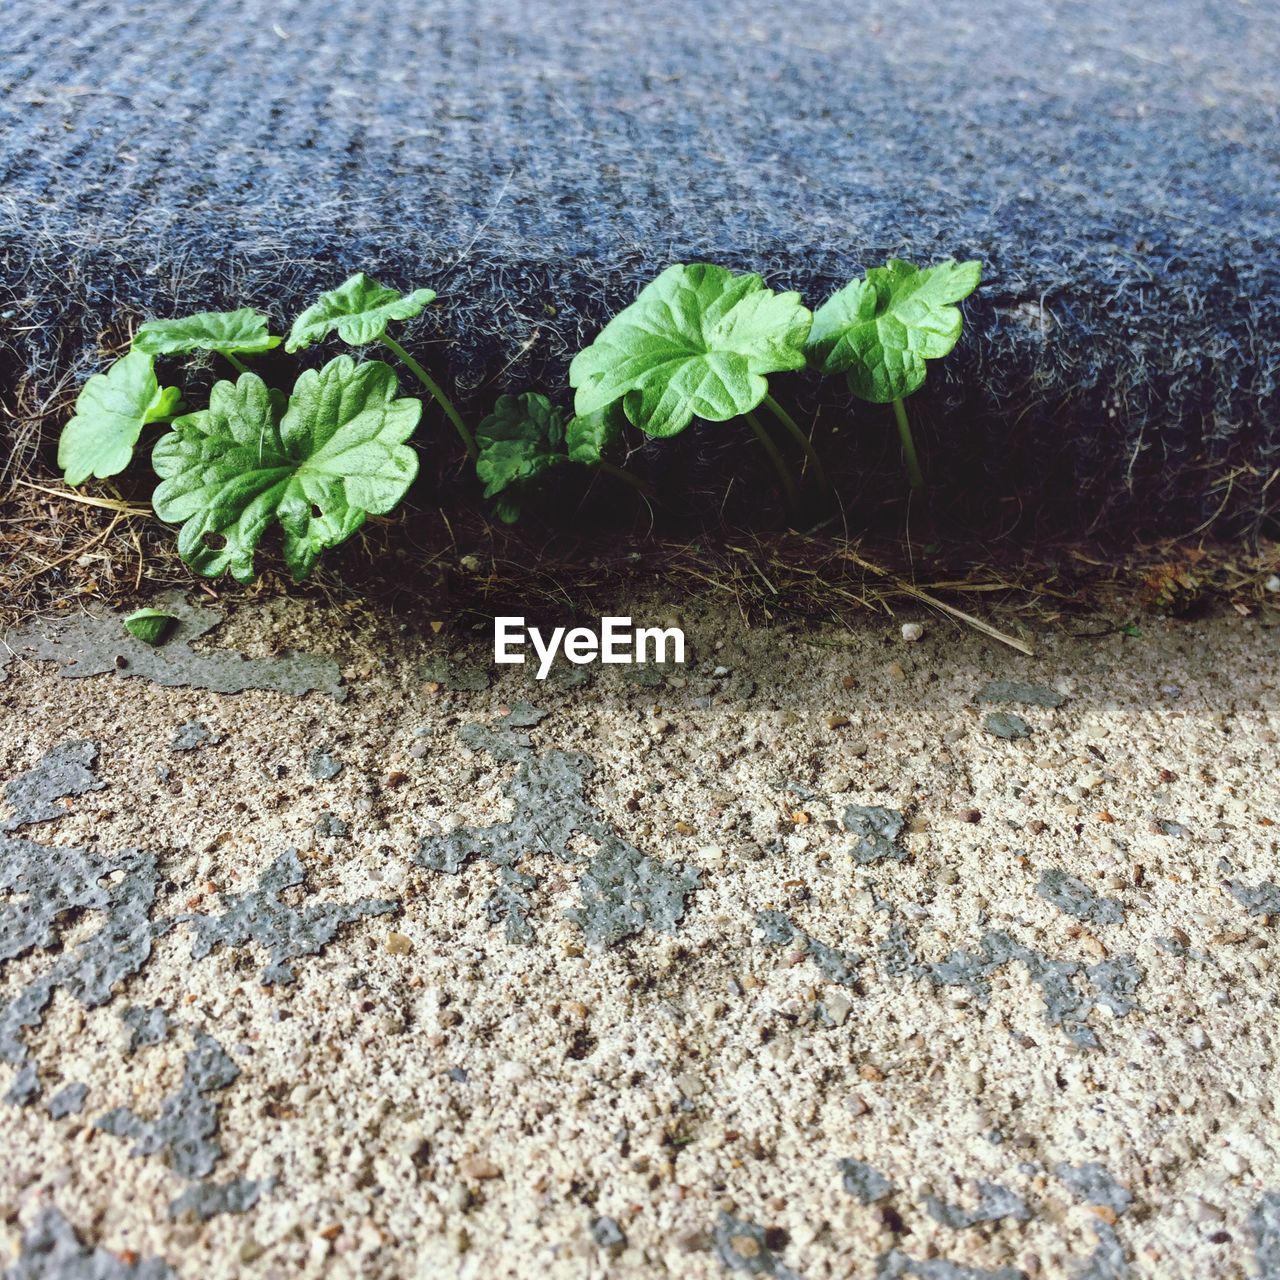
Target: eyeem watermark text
[616,642]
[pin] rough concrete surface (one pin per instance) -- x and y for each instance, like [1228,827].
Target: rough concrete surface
[597,977]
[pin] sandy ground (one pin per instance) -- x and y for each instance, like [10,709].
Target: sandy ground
[1094,1071]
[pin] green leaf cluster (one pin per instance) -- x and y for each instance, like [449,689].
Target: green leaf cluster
[316,465]
[698,342]
[881,329]
[113,407]
[526,436]
[358,310]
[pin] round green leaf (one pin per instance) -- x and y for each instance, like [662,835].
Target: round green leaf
[359,309]
[336,455]
[149,625]
[111,411]
[696,343]
[883,328]
[242,332]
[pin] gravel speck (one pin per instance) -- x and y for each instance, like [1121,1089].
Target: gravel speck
[1004,724]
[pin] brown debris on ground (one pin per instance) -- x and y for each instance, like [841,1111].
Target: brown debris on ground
[60,545]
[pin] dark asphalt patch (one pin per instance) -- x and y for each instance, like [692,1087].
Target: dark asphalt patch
[187,1121]
[287,932]
[95,643]
[63,771]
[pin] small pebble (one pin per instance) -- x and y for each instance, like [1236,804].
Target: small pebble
[688,1084]
[912,631]
[251,1250]
[398,944]
[1004,724]
[837,1007]
[480,1168]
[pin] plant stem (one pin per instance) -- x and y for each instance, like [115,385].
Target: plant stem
[610,469]
[908,446]
[802,440]
[436,393]
[237,365]
[790,492]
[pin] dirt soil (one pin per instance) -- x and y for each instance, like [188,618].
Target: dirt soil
[798,960]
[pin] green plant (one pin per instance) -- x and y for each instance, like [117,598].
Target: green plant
[230,333]
[149,625]
[359,310]
[698,342]
[590,437]
[111,411]
[526,436]
[521,440]
[881,330]
[113,407]
[317,463]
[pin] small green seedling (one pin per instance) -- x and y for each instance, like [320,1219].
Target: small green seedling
[229,333]
[149,625]
[520,441]
[359,310]
[317,464]
[882,329]
[526,436]
[698,342]
[111,411]
[114,406]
